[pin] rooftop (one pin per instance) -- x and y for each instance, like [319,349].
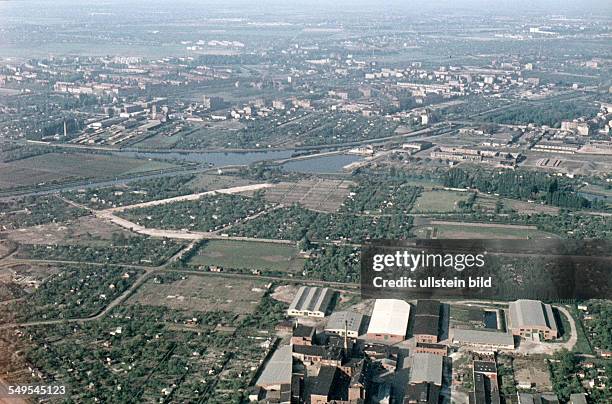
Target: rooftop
[338,319]
[530,313]
[427,307]
[311,299]
[303,331]
[426,367]
[278,369]
[483,337]
[485,367]
[390,316]
[426,325]
[324,381]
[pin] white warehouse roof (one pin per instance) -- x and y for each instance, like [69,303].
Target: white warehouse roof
[390,316]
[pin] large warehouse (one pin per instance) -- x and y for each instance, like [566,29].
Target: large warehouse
[532,317]
[311,302]
[389,320]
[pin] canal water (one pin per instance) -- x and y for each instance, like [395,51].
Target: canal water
[324,164]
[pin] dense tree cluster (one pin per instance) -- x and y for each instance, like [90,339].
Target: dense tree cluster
[75,291]
[295,222]
[563,371]
[550,114]
[11,152]
[35,210]
[209,213]
[380,196]
[526,185]
[122,250]
[335,263]
[135,192]
[601,326]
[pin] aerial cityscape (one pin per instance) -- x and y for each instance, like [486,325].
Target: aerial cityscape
[188,191]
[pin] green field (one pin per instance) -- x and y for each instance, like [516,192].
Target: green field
[60,167]
[250,255]
[465,230]
[438,201]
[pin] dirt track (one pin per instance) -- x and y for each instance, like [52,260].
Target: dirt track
[191,197]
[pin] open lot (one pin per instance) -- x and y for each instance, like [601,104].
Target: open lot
[58,167]
[444,229]
[86,230]
[532,372]
[316,194]
[202,293]
[252,255]
[210,182]
[438,201]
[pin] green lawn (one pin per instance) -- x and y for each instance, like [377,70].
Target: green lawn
[251,255]
[438,201]
[464,230]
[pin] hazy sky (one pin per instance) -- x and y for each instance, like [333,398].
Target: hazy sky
[349,5]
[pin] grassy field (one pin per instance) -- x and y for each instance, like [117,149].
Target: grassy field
[252,255]
[210,182]
[202,293]
[476,230]
[438,201]
[59,167]
[159,141]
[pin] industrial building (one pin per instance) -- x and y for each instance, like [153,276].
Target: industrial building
[426,368]
[277,372]
[342,322]
[426,321]
[486,385]
[311,302]
[389,320]
[302,335]
[483,340]
[529,318]
[425,379]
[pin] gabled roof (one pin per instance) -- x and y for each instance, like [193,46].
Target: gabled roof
[530,313]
